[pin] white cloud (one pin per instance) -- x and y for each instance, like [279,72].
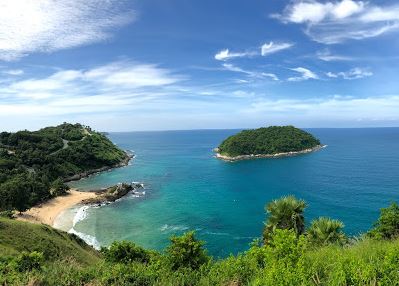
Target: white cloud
[224,55]
[270,48]
[336,22]
[333,110]
[355,73]
[327,56]
[114,79]
[13,72]
[315,12]
[251,74]
[45,26]
[305,74]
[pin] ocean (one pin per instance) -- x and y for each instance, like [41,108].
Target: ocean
[186,188]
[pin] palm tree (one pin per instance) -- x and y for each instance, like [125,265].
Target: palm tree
[285,213]
[325,231]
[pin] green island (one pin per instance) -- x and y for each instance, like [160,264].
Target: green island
[267,142]
[34,166]
[288,253]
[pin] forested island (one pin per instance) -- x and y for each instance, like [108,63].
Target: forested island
[34,165]
[267,142]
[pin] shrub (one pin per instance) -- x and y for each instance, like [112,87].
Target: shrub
[285,213]
[387,225]
[125,252]
[186,251]
[325,231]
[28,261]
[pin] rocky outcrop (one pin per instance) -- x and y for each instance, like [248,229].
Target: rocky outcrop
[113,193]
[256,156]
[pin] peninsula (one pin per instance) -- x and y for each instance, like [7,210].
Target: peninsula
[267,142]
[34,165]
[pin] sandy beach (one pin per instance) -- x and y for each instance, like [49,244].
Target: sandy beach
[48,211]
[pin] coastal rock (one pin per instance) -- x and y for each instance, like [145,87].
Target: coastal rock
[113,193]
[277,155]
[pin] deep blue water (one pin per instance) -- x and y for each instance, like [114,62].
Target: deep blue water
[187,188]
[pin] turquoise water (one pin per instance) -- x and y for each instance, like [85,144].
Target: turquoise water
[186,188]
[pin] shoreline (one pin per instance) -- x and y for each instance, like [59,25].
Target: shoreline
[79,176]
[259,156]
[48,211]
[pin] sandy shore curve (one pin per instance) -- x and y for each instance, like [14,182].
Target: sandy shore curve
[48,211]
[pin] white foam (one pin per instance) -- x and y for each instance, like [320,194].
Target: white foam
[168,228]
[89,239]
[80,215]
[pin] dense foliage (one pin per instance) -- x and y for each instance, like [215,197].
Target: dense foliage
[39,255]
[34,164]
[270,140]
[285,213]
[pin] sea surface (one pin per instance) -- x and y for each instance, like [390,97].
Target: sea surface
[186,188]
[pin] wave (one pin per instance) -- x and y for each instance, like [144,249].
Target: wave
[169,228]
[217,233]
[89,239]
[80,215]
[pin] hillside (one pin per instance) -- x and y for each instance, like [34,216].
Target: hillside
[33,165]
[321,254]
[17,236]
[268,141]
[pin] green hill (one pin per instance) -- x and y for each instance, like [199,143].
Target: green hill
[33,164]
[17,237]
[268,141]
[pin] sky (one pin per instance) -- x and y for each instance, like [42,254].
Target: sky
[210,64]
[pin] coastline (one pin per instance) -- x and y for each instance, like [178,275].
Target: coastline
[259,156]
[88,173]
[48,211]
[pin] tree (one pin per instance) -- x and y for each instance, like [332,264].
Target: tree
[323,231]
[58,188]
[387,225]
[285,213]
[125,252]
[186,252]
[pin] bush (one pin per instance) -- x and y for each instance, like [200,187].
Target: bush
[59,188]
[125,252]
[325,231]
[186,252]
[387,225]
[28,261]
[7,214]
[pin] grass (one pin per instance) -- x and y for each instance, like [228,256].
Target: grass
[17,236]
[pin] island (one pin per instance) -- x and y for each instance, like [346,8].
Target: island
[267,142]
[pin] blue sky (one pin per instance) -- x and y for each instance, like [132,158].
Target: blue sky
[179,64]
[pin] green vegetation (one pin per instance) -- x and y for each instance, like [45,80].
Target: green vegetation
[17,237]
[292,255]
[285,213]
[34,165]
[387,225]
[268,141]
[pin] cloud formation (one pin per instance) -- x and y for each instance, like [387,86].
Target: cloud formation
[355,73]
[118,84]
[305,74]
[334,108]
[225,54]
[251,74]
[46,26]
[336,22]
[270,48]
